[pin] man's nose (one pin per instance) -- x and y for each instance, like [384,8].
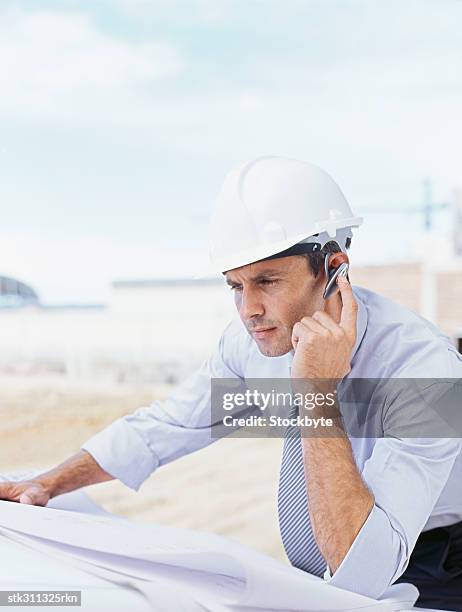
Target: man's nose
[250,305]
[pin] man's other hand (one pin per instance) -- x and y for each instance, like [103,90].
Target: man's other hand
[25,492]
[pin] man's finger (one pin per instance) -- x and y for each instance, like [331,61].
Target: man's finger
[325,319]
[304,328]
[5,490]
[313,325]
[349,307]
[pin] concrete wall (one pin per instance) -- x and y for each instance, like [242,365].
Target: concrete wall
[401,283]
[434,293]
[449,309]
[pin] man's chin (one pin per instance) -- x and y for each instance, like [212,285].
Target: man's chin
[272,349]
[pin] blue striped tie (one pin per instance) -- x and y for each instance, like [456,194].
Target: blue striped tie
[294,519]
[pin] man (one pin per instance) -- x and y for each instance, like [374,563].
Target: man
[363,511]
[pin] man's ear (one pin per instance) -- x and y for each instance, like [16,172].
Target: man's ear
[335,264]
[335,259]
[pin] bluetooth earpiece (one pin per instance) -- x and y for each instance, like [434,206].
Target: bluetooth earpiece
[335,265]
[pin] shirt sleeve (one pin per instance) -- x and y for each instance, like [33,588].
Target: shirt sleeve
[406,477]
[132,447]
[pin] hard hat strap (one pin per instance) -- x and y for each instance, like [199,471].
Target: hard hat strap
[297,249]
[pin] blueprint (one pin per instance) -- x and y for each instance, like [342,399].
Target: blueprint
[207,571]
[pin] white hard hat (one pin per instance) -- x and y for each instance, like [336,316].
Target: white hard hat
[270,204]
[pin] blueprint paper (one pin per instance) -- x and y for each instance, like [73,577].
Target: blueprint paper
[30,570]
[116,543]
[215,571]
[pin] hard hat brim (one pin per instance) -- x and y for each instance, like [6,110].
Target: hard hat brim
[261,252]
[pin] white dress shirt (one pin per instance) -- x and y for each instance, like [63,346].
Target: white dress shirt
[416,482]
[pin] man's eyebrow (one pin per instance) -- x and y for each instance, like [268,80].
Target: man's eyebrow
[267,273]
[259,276]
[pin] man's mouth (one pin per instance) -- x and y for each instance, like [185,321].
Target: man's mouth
[262,332]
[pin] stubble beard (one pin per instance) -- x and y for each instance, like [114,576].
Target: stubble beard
[278,347]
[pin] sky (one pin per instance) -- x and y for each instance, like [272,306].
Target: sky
[120,118]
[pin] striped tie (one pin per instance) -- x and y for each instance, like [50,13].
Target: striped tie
[294,519]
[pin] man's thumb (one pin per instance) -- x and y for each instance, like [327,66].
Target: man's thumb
[27,498]
[34,496]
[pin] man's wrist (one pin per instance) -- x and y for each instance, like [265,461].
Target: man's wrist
[315,385]
[320,397]
[324,427]
[50,483]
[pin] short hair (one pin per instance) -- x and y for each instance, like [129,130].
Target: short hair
[316,259]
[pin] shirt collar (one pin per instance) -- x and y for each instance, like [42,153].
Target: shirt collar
[361,324]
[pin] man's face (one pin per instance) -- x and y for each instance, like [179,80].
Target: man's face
[271,296]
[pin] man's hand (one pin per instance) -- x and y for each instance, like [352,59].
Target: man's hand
[322,346]
[340,501]
[25,492]
[80,470]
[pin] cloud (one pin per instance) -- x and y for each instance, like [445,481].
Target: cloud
[197,12]
[50,60]
[370,92]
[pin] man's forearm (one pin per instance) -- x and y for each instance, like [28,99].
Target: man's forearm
[78,471]
[339,500]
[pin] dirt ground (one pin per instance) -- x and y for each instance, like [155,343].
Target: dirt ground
[228,487]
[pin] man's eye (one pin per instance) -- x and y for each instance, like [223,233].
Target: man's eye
[235,287]
[267,281]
